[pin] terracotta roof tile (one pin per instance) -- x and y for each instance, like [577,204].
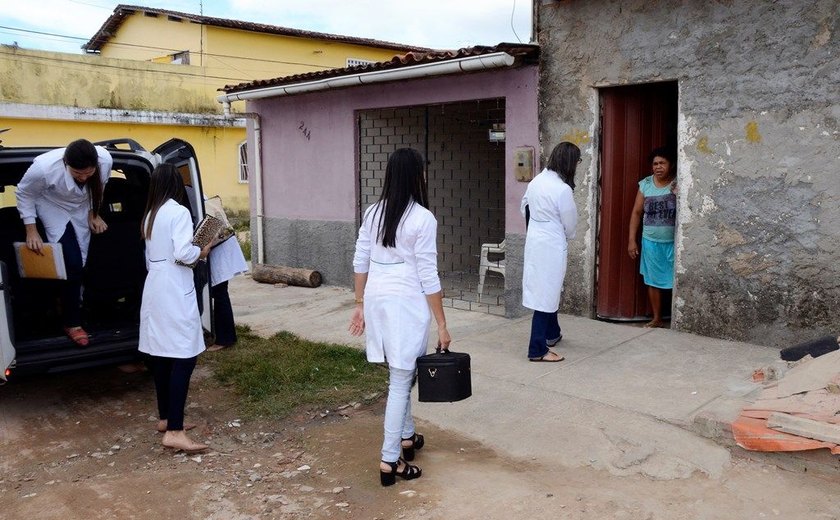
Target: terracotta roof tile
[524,53]
[122,11]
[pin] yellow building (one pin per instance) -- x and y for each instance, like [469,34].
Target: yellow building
[133,83]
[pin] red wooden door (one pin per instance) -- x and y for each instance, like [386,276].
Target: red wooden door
[634,121]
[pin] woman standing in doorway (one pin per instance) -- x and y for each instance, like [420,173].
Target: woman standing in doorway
[397,283]
[551,219]
[656,209]
[170,326]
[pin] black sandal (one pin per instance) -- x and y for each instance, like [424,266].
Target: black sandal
[417,442]
[409,472]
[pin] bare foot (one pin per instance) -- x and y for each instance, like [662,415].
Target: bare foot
[161,426]
[653,324]
[216,347]
[178,440]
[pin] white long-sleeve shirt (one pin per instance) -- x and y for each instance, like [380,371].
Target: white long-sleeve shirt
[226,261]
[170,325]
[397,314]
[48,191]
[553,222]
[416,245]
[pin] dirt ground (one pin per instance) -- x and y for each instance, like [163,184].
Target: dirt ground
[83,445]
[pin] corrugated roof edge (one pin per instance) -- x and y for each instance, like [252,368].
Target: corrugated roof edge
[121,11]
[524,53]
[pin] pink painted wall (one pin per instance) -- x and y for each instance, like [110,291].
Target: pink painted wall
[309,141]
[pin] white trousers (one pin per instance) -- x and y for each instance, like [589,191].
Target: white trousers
[398,421]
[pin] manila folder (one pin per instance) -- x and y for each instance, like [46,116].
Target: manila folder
[50,265]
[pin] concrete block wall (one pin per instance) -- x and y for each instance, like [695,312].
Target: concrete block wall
[380,133]
[465,171]
[466,180]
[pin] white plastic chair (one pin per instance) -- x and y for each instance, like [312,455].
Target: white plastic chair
[485,264]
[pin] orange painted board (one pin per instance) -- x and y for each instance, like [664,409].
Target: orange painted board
[754,435]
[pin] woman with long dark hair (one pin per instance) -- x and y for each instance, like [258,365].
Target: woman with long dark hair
[63,188]
[170,325]
[551,216]
[397,284]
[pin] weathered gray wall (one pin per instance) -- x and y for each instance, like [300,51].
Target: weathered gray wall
[758,238]
[326,247]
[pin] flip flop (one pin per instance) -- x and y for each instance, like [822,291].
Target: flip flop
[542,358]
[78,335]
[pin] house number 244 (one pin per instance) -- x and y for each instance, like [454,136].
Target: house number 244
[304,130]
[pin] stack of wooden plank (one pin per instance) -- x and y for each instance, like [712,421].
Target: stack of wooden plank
[800,411]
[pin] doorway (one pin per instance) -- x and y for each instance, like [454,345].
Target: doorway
[465,170]
[633,121]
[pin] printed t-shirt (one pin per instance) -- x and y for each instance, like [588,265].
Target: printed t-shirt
[660,211]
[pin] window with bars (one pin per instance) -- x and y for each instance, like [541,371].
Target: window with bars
[243,162]
[352,62]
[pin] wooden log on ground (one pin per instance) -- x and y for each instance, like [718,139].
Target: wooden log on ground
[289,275]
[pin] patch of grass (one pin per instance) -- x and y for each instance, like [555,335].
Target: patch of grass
[246,248]
[274,376]
[240,220]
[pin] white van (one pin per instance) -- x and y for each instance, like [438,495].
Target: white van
[31,336]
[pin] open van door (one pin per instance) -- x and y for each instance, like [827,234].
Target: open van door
[7,345]
[181,154]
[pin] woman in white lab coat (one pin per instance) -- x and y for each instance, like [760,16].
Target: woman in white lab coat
[63,188]
[551,219]
[226,261]
[170,326]
[397,284]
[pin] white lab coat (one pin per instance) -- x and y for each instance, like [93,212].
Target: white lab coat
[226,261]
[170,325]
[397,314]
[47,190]
[553,222]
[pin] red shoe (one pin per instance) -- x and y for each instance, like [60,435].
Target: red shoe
[78,335]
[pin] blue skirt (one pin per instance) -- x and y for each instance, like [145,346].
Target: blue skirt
[657,264]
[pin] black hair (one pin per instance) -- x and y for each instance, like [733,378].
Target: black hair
[404,185]
[664,151]
[81,155]
[563,161]
[164,184]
